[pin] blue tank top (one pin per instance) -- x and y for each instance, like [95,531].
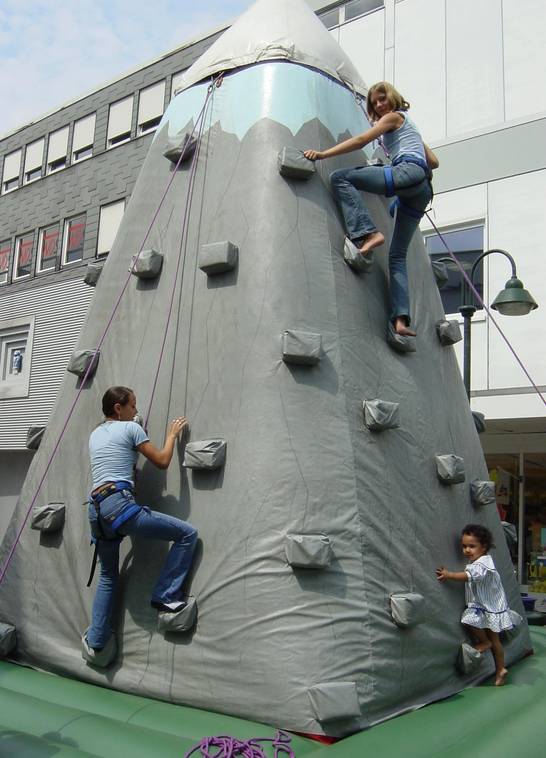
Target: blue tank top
[112,450]
[405,140]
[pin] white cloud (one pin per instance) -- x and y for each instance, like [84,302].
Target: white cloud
[54,50]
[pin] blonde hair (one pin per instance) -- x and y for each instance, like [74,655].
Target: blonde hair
[395,99]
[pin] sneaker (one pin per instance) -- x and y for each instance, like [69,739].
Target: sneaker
[174,607]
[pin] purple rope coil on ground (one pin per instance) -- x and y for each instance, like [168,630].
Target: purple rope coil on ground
[224,746]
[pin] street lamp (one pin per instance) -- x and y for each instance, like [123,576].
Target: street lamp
[513,300]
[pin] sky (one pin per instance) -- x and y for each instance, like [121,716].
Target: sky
[52,51]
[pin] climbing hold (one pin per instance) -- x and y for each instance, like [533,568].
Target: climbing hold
[439,269]
[48,518]
[449,332]
[181,621]
[308,550]
[99,658]
[380,415]
[469,660]
[34,437]
[147,265]
[8,639]
[407,609]
[205,454]
[302,348]
[482,492]
[218,257]
[92,276]
[479,421]
[332,701]
[294,165]
[450,469]
[399,342]
[182,149]
[354,258]
[80,361]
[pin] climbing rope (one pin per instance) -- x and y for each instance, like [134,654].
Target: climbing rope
[92,363]
[230,747]
[485,307]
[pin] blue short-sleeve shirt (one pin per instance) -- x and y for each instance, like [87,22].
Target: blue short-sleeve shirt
[113,453]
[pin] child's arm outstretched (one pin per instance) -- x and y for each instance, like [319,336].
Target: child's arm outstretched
[443,575]
[386,123]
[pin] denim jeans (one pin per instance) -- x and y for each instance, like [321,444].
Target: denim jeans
[413,189]
[150,525]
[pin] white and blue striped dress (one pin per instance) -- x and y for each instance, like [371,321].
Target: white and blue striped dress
[487,606]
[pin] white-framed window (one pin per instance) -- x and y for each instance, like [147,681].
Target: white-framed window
[466,242]
[355,8]
[12,168]
[176,81]
[16,337]
[73,239]
[57,150]
[33,161]
[5,254]
[120,118]
[150,107]
[48,248]
[109,221]
[22,261]
[83,138]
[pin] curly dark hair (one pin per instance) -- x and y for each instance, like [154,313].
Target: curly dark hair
[481,533]
[115,395]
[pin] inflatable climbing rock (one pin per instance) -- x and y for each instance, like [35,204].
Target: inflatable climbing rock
[309,649]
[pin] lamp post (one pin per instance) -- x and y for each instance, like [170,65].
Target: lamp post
[513,300]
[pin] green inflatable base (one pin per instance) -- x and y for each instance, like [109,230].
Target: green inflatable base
[46,715]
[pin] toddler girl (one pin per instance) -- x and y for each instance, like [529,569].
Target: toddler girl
[487,611]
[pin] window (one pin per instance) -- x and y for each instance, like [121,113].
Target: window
[74,235]
[109,221]
[176,82]
[12,167]
[119,122]
[330,18]
[5,252]
[355,8]
[467,244]
[33,160]
[57,150]
[23,256]
[84,136]
[48,248]
[150,107]
[15,355]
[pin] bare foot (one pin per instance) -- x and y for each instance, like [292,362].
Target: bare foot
[481,647]
[372,240]
[501,677]
[400,327]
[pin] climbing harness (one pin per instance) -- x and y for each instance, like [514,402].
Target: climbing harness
[230,747]
[105,332]
[96,498]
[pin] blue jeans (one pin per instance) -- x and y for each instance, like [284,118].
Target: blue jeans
[413,188]
[150,525]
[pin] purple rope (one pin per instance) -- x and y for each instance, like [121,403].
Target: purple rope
[487,310]
[230,747]
[191,182]
[94,359]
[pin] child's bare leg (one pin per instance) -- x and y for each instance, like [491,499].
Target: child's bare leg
[498,655]
[371,240]
[483,642]
[401,327]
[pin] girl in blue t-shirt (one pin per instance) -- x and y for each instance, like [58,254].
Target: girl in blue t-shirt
[408,177]
[113,513]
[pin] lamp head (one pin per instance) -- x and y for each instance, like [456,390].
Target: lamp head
[513,300]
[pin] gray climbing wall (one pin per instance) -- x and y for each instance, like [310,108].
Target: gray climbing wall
[321,522]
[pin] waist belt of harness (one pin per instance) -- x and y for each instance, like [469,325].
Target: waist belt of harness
[110,488]
[413,159]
